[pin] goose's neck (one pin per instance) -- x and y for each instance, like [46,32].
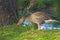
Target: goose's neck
[28,18]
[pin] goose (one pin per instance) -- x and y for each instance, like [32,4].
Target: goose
[38,18]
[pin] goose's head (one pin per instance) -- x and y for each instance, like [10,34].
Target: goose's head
[21,20]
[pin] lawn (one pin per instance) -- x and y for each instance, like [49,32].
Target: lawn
[14,32]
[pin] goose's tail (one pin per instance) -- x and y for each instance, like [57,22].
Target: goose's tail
[51,20]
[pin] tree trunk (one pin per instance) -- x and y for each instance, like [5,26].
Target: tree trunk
[33,6]
[8,12]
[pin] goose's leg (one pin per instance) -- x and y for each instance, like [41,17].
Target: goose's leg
[39,27]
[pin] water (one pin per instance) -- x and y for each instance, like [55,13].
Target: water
[45,26]
[50,26]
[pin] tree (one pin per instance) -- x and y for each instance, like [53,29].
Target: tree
[32,6]
[8,12]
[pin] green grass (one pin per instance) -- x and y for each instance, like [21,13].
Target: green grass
[14,32]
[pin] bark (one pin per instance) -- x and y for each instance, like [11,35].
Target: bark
[29,7]
[32,6]
[8,12]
